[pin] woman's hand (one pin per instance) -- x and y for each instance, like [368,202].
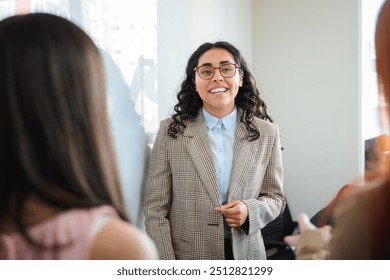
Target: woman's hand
[234,212]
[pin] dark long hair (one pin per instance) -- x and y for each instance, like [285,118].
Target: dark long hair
[248,97]
[55,142]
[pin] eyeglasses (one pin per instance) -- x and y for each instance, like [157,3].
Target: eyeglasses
[207,72]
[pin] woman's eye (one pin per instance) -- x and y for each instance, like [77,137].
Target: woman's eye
[227,69]
[206,71]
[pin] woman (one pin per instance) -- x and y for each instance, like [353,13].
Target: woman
[215,174]
[59,189]
[361,220]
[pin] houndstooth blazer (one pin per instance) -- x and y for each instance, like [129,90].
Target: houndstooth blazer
[182,192]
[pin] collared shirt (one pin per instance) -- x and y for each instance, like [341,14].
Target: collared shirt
[222,136]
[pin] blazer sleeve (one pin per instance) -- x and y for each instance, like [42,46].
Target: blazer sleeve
[271,201]
[157,199]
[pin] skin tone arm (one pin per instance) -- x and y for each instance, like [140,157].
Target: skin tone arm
[119,240]
[234,212]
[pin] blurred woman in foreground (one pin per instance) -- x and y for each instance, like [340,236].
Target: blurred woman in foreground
[59,189]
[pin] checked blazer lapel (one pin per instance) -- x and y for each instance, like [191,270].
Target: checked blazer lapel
[244,155]
[199,149]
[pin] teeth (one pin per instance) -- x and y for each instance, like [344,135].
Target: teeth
[218,90]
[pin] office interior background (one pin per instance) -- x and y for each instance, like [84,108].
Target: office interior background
[313,61]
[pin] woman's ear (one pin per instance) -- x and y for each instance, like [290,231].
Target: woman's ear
[241,71]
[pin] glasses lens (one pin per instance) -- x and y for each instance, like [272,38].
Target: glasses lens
[206,72]
[227,70]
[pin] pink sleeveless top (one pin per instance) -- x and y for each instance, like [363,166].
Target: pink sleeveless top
[72,232]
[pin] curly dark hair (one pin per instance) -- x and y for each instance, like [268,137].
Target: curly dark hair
[248,97]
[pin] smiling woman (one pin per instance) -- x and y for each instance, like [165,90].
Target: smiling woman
[215,177]
[217,89]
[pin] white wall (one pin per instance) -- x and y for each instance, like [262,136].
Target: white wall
[306,63]
[304,55]
[185,25]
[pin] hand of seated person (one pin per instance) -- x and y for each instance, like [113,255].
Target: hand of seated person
[305,226]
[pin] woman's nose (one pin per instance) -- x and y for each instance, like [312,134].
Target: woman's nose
[217,76]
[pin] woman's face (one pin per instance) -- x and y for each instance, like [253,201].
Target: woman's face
[218,92]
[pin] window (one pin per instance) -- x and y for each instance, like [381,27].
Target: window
[124,30]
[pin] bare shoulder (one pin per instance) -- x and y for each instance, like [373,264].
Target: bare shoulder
[119,240]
